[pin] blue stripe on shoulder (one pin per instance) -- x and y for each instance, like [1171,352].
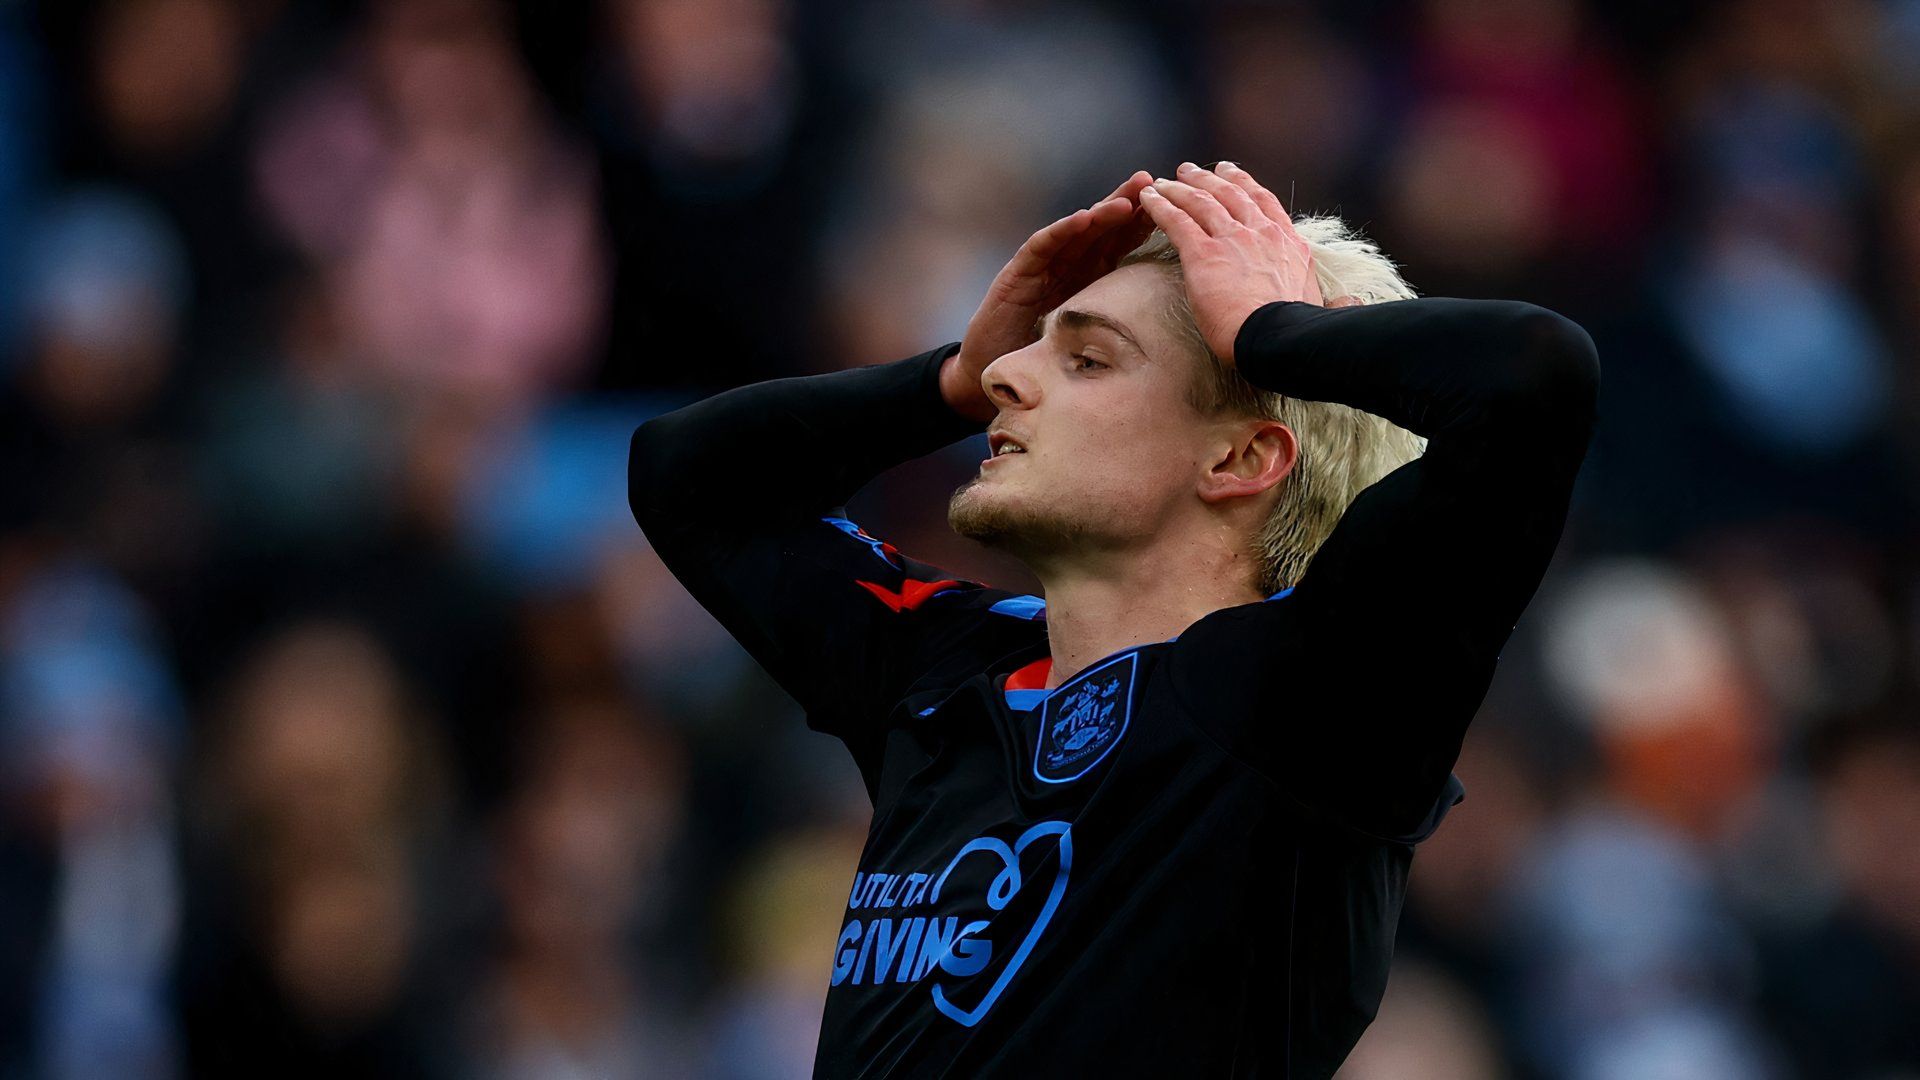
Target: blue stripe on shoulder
[860,534]
[1281,595]
[1021,607]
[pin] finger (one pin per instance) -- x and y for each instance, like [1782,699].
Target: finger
[1044,246]
[1200,206]
[1267,201]
[1229,194]
[1106,216]
[1129,188]
[1345,301]
[1179,226]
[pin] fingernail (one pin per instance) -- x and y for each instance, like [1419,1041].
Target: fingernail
[1187,166]
[1158,180]
[1224,164]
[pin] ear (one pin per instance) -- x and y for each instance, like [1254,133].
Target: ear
[1257,455]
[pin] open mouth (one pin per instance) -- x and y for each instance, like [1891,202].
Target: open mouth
[1001,445]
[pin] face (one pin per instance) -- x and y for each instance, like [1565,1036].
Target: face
[1112,453]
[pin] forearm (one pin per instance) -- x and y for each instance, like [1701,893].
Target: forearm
[1428,569]
[1439,367]
[795,445]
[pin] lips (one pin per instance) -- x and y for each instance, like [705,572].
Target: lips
[998,443]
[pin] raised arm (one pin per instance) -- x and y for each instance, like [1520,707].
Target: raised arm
[758,457]
[1444,553]
[1401,616]
[743,494]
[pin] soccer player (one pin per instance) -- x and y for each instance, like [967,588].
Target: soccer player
[1158,823]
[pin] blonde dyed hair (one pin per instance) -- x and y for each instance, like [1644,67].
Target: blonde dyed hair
[1342,450]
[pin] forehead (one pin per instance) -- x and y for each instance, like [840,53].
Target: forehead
[1137,297]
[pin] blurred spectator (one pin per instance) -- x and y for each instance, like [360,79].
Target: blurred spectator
[21,157]
[1521,148]
[325,793]
[89,409]
[718,138]
[1646,658]
[462,226]
[788,900]
[1842,991]
[90,723]
[579,865]
[1427,1029]
[109,282]
[165,72]
[1289,97]
[303,452]
[1628,963]
[1793,353]
[714,83]
[1456,908]
[971,155]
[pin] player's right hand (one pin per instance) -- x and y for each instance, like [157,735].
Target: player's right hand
[1051,266]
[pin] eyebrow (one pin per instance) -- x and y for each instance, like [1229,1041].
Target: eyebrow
[1074,319]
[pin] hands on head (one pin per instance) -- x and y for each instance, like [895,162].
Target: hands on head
[1238,248]
[1053,264]
[1238,251]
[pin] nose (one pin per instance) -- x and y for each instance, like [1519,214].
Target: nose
[1008,381]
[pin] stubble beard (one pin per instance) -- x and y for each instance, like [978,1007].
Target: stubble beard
[1026,529]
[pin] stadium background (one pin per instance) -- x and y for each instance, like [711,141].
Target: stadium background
[349,727]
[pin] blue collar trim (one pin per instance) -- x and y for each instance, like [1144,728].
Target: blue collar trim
[1032,607]
[1028,606]
[1026,700]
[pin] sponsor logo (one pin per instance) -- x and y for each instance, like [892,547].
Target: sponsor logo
[967,961]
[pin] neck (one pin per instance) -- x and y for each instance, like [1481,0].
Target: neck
[1099,607]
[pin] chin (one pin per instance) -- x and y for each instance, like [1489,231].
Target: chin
[976,513]
[988,513]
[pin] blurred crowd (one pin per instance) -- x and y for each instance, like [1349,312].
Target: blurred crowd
[350,728]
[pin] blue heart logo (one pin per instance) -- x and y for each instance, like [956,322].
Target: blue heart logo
[967,955]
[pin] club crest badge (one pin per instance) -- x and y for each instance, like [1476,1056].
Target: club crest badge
[1083,720]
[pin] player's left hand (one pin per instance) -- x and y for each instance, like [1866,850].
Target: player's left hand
[1238,248]
[1051,266]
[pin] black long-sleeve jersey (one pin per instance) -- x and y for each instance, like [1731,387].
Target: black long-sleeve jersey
[1189,858]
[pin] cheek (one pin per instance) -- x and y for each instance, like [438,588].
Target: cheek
[1128,455]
